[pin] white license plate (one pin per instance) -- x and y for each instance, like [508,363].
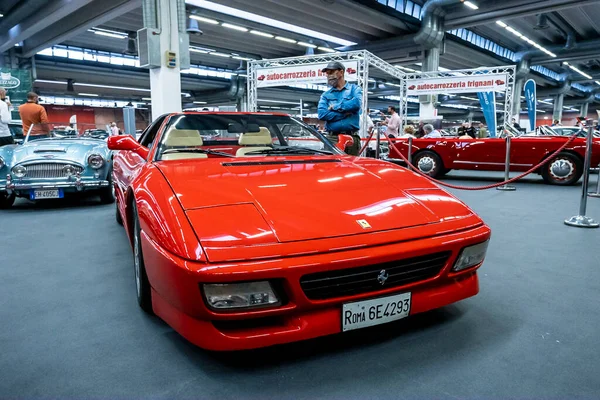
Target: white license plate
[46,194]
[375,311]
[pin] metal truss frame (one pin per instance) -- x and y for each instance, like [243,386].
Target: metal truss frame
[509,92]
[365,59]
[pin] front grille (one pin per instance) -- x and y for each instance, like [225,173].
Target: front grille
[352,281]
[49,170]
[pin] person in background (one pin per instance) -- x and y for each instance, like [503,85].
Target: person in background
[556,123]
[5,136]
[392,123]
[430,132]
[114,130]
[340,106]
[409,131]
[515,124]
[370,126]
[482,131]
[420,130]
[34,116]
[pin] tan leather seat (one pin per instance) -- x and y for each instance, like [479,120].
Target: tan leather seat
[253,141]
[180,138]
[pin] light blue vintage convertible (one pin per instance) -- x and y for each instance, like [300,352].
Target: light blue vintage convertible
[50,165]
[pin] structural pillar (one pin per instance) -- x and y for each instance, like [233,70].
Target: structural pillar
[427,102]
[165,81]
[584,109]
[558,107]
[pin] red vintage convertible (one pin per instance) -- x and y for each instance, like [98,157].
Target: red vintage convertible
[243,238]
[436,157]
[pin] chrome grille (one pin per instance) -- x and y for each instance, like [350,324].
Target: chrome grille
[48,170]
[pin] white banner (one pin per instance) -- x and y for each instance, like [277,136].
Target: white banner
[457,84]
[295,74]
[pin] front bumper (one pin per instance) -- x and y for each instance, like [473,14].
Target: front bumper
[177,298]
[77,184]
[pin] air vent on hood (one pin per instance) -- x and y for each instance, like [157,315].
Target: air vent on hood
[246,163]
[49,150]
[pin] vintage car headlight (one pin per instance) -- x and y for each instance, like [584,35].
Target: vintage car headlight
[19,171]
[96,161]
[471,256]
[240,295]
[69,170]
[2,163]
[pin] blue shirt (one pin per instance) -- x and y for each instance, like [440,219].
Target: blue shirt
[344,115]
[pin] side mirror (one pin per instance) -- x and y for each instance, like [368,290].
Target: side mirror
[127,143]
[344,141]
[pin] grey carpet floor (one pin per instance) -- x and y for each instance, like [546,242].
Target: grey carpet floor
[71,328]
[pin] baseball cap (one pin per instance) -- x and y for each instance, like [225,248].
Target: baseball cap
[334,65]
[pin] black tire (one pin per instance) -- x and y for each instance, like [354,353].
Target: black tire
[142,285]
[118,214]
[107,194]
[564,169]
[429,163]
[6,200]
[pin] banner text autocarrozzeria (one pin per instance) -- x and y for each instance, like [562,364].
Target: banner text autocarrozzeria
[300,74]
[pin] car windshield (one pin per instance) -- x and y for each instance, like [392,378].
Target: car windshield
[55,131]
[240,135]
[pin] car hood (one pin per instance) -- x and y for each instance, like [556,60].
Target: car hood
[303,199]
[56,149]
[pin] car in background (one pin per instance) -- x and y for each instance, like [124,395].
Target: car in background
[101,134]
[50,166]
[243,237]
[436,157]
[16,130]
[571,130]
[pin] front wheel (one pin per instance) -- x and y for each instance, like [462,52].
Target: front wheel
[142,285]
[429,163]
[564,169]
[107,194]
[6,200]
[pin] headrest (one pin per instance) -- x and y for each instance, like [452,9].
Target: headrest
[250,138]
[183,137]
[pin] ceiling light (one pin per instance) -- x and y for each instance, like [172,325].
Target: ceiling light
[243,58]
[199,102]
[502,24]
[208,5]
[263,34]
[327,49]
[597,82]
[472,6]
[1,15]
[307,45]
[88,94]
[216,53]
[108,33]
[234,27]
[197,50]
[284,39]
[147,98]
[202,19]
[579,71]
[525,38]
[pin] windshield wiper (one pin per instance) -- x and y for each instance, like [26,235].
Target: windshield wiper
[289,150]
[195,150]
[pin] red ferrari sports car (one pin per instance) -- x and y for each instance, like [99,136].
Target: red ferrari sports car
[244,238]
[437,156]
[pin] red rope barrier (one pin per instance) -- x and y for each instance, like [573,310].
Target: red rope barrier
[487,186]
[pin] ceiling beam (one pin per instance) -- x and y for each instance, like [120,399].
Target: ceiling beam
[51,13]
[92,14]
[489,12]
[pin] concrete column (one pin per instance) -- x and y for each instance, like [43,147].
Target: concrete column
[583,110]
[427,102]
[558,107]
[165,82]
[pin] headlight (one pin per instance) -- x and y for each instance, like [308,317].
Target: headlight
[96,161]
[19,171]
[240,295]
[69,170]
[2,163]
[471,256]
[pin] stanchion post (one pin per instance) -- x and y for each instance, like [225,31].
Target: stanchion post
[507,187]
[377,143]
[581,220]
[597,192]
[409,158]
